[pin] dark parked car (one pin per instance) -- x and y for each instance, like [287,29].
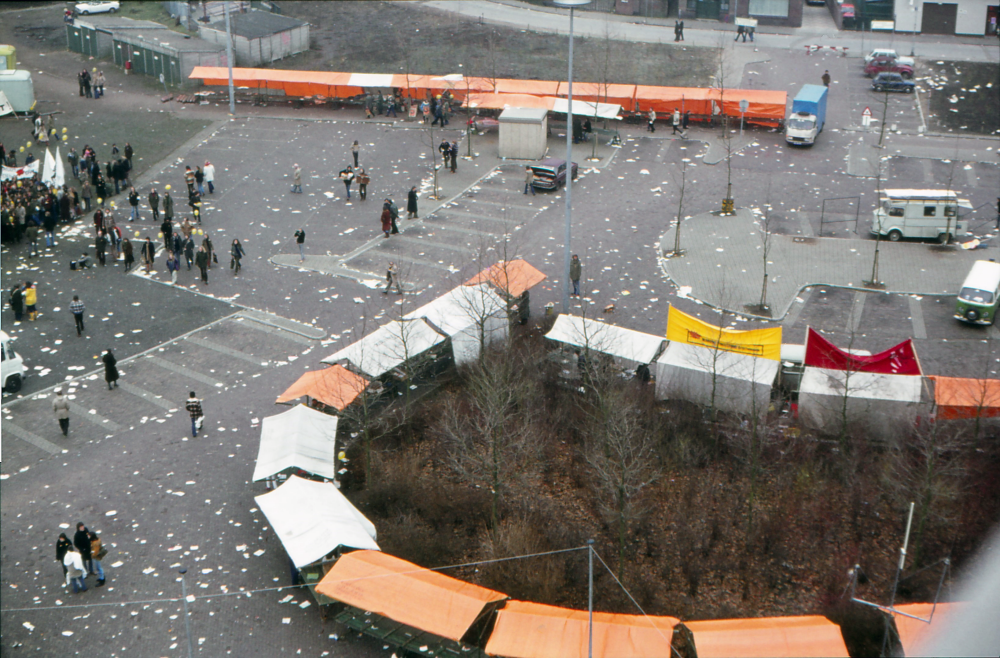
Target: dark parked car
[892,82]
[551,173]
[888,65]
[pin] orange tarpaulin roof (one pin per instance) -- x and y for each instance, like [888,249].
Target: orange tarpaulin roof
[513,277]
[958,397]
[533,630]
[767,636]
[763,103]
[594,92]
[534,87]
[335,386]
[293,83]
[667,99]
[913,633]
[404,592]
[500,101]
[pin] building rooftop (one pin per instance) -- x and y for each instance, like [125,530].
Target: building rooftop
[256,24]
[111,22]
[170,39]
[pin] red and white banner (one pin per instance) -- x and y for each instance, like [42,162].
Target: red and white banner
[898,360]
[27,171]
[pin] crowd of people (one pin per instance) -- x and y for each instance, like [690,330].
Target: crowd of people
[82,556]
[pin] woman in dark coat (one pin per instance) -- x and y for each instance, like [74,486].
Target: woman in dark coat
[110,369]
[411,203]
[236,252]
[127,253]
[386,220]
[63,544]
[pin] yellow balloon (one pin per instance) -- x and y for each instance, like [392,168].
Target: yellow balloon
[168,188]
[159,236]
[22,149]
[94,69]
[100,201]
[65,129]
[52,132]
[137,234]
[65,138]
[28,145]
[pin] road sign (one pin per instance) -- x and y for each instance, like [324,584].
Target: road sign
[867,112]
[744,105]
[162,79]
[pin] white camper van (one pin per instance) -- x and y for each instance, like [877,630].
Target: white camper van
[12,366]
[926,214]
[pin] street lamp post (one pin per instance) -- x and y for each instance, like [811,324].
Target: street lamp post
[571,5]
[187,623]
[913,44]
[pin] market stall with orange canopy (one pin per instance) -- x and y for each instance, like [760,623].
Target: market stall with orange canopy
[512,279]
[963,398]
[335,387]
[532,630]
[664,100]
[765,106]
[767,637]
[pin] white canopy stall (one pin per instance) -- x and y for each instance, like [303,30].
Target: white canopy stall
[299,438]
[685,372]
[312,519]
[588,109]
[886,403]
[467,314]
[629,348]
[389,347]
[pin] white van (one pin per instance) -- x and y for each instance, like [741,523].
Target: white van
[936,214]
[12,365]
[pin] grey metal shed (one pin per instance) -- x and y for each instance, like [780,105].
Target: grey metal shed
[92,35]
[260,37]
[523,133]
[166,52]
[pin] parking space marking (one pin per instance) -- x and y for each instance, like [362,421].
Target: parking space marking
[857,307]
[460,229]
[185,372]
[147,396]
[472,215]
[32,438]
[917,317]
[503,205]
[275,331]
[434,245]
[94,418]
[422,261]
[222,349]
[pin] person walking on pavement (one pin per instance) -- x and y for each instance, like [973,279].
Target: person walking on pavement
[167,229]
[17,301]
[453,153]
[296,179]
[173,264]
[201,260]
[236,253]
[347,175]
[168,205]
[391,277]
[110,369]
[148,254]
[826,78]
[193,407]
[63,544]
[199,179]
[676,120]
[209,172]
[740,33]
[60,407]
[86,541]
[679,31]
[750,30]
[411,203]
[127,255]
[74,162]
[189,252]
[686,120]
[189,179]
[31,300]
[209,250]
[393,215]
[363,180]
[355,150]
[129,153]
[100,248]
[529,180]
[300,240]
[386,219]
[575,271]
[154,204]
[86,193]
[75,571]
[651,121]
[133,200]
[76,308]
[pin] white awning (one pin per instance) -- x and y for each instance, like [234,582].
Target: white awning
[313,518]
[864,385]
[461,308]
[302,438]
[634,346]
[587,109]
[370,80]
[389,347]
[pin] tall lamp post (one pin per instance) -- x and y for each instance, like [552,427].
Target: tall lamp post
[913,44]
[571,5]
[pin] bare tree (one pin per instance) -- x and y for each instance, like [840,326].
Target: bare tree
[724,57]
[621,453]
[680,207]
[766,242]
[488,426]
[874,282]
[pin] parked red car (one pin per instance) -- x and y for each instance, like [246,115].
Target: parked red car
[887,65]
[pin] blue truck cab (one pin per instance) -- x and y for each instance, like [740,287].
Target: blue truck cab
[808,115]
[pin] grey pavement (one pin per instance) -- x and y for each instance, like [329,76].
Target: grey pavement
[722,263]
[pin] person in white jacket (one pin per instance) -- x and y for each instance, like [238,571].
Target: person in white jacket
[75,571]
[209,172]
